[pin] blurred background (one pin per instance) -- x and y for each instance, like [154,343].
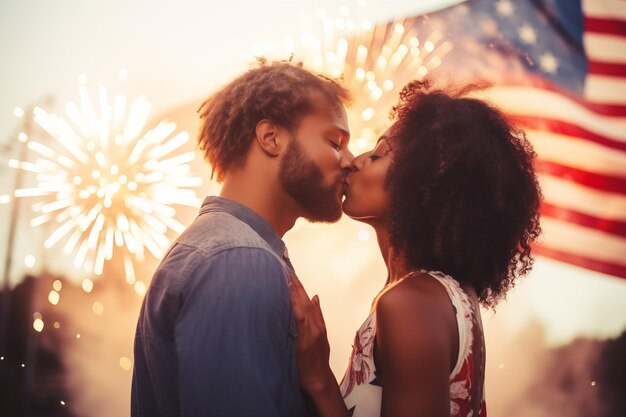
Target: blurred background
[99,173]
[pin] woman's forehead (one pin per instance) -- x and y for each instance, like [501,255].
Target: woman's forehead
[385,135]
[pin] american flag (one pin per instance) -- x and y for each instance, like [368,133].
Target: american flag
[558,68]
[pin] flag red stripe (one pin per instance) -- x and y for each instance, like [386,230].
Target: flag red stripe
[605,26]
[607,68]
[584,262]
[567,129]
[585,178]
[614,227]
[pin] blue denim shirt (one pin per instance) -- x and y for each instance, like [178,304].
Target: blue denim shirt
[216,332]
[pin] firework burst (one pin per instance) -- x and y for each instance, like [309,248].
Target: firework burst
[106,182]
[374,61]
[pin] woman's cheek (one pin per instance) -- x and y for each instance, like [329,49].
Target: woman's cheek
[367,198]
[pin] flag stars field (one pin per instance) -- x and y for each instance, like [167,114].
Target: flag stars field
[549,63]
[527,34]
[505,7]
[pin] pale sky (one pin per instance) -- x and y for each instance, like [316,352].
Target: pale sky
[174,51]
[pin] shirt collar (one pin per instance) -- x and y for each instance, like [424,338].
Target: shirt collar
[214,204]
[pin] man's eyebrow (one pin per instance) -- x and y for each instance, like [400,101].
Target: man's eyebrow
[344,133]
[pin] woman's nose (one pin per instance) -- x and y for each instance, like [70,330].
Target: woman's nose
[359,161]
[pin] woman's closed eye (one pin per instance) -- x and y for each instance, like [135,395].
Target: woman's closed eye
[382,148]
[379,152]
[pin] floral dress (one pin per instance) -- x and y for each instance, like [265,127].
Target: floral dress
[361,386]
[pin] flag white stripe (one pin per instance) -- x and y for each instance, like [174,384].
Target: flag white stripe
[605,89]
[607,9]
[581,154]
[607,48]
[583,199]
[582,241]
[541,103]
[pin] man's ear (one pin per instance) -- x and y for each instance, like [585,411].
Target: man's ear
[267,137]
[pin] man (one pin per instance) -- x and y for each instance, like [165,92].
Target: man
[216,331]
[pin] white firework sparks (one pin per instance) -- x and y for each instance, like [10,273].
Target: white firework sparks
[375,62]
[105,184]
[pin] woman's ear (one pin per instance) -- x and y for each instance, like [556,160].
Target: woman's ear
[267,137]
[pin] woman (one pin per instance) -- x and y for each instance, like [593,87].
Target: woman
[451,193]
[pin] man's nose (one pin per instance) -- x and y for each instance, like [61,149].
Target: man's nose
[346,159]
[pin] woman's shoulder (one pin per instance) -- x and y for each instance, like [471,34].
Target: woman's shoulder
[417,302]
[416,290]
[416,330]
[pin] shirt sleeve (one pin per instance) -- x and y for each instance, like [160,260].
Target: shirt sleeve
[233,337]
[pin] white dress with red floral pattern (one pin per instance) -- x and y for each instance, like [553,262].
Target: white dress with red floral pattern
[361,386]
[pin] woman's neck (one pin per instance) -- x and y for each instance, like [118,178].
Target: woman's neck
[396,263]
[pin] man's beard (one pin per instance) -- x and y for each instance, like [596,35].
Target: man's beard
[303,180]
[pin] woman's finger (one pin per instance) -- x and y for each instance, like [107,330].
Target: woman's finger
[318,316]
[296,283]
[302,305]
[318,312]
[300,294]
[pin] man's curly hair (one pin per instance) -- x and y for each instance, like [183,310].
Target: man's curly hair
[464,196]
[279,91]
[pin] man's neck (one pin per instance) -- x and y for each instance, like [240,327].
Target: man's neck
[268,201]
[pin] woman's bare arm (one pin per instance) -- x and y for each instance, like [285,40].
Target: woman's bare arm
[415,346]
